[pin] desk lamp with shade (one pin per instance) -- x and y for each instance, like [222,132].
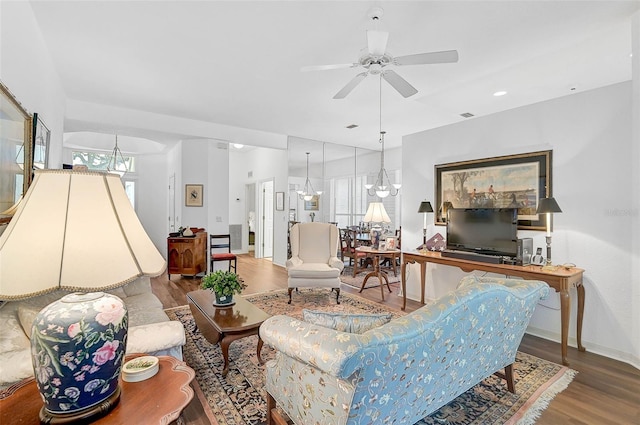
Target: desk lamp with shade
[425,207]
[548,206]
[376,214]
[76,231]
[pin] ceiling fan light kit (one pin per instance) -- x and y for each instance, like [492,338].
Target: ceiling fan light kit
[376,59]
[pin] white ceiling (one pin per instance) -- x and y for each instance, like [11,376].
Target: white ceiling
[237,63]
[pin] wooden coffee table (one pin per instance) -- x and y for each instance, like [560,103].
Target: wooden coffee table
[225,324]
[157,400]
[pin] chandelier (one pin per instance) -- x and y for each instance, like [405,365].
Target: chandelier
[117,164]
[382,186]
[307,193]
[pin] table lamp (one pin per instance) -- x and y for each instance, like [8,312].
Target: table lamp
[376,214]
[76,231]
[425,207]
[548,206]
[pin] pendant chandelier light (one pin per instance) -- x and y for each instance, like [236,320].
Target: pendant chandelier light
[382,186]
[307,193]
[117,164]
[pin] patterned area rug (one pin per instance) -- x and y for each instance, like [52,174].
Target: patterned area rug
[239,398]
[347,277]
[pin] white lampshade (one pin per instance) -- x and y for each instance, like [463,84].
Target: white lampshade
[75,231]
[376,214]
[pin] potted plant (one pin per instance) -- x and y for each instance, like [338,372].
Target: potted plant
[223,284]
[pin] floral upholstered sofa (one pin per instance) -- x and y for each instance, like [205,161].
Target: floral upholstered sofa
[150,330]
[405,369]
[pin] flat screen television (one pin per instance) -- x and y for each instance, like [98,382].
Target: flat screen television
[491,231]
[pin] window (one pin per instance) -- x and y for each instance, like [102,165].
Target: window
[98,161]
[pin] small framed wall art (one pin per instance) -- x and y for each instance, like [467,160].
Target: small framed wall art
[193,195]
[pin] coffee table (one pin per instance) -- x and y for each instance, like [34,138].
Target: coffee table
[157,400]
[225,324]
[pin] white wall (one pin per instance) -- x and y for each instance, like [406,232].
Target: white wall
[27,70]
[590,134]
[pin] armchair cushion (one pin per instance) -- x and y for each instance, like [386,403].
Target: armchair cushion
[343,322]
[314,271]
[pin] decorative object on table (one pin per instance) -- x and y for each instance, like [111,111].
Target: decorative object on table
[140,368]
[59,210]
[307,193]
[223,284]
[425,207]
[78,345]
[391,243]
[376,214]
[312,216]
[193,195]
[187,232]
[548,206]
[382,187]
[436,242]
[524,178]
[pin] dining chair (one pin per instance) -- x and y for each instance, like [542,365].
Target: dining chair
[220,250]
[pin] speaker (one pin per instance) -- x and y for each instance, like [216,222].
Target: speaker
[525,251]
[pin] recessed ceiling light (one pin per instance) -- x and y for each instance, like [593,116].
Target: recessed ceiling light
[350,126]
[467,115]
[500,93]
[238,145]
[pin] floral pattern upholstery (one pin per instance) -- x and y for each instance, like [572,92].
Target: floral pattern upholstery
[401,371]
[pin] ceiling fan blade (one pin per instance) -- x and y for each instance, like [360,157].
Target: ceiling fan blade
[350,86]
[327,67]
[399,83]
[377,42]
[447,56]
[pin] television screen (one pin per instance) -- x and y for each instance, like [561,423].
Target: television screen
[492,231]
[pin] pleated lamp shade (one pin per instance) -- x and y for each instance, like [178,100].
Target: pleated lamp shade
[75,231]
[376,213]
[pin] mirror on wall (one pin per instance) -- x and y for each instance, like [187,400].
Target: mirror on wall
[339,171]
[15,151]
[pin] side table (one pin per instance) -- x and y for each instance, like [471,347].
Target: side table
[377,271]
[157,400]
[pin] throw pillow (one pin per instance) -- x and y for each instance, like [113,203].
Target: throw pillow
[344,322]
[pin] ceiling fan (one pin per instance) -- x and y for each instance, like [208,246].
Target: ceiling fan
[376,61]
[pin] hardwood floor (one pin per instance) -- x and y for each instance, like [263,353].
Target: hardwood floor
[604,391]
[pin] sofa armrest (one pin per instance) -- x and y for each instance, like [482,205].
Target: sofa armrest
[323,348]
[155,337]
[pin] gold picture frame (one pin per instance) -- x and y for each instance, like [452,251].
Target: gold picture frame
[511,181]
[193,195]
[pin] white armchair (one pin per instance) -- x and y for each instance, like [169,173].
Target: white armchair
[314,258]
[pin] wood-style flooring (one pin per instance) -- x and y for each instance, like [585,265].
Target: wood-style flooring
[605,391]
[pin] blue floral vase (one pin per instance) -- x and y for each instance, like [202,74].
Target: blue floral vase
[77,346]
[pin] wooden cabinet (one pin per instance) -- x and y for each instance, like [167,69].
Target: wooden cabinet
[187,255]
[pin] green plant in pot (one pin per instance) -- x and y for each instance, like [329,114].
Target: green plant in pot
[223,284]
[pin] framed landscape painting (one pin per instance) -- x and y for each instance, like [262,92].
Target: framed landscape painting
[513,181]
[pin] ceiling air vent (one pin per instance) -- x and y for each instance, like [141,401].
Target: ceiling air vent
[467,115]
[350,126]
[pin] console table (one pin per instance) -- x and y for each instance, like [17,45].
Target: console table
[187,255]
[560,279]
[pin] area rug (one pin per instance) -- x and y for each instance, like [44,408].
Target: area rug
[356,282]
[239,398]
